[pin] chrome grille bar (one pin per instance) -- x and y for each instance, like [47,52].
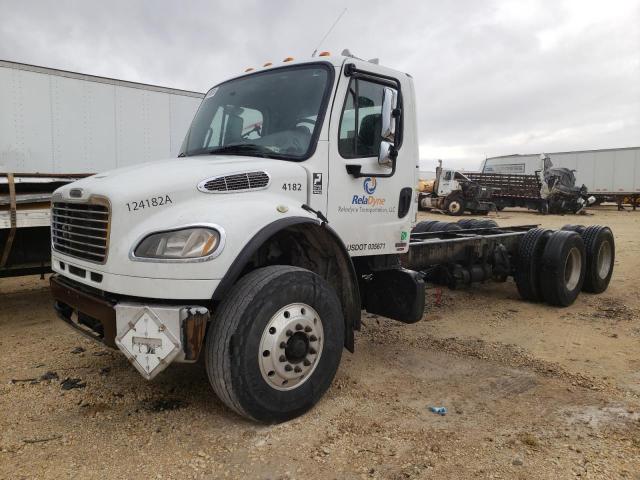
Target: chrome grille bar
[81,230]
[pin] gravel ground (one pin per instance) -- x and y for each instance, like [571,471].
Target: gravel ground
[531,392]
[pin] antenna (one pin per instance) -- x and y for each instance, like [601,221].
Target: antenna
[328,32]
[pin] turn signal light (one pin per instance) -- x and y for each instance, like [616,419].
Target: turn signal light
[324,54]
[288,59]
[268,64]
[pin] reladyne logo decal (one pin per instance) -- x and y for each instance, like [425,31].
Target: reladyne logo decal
[369,185]
[367,202]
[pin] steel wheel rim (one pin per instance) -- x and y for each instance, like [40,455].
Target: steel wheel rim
[291,346]
[572,268]
[604,259]
[455,206]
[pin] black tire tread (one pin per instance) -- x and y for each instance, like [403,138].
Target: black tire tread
[423,226]
[550,273]
[589,236]
[527,268]
[226,321]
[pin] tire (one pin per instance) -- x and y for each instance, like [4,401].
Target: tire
[437,227]
[601,254]
[454,205]
[244,323]
[466,223]
[423,226]
[574,228]
[452,227]
[444,227]
[527,274]
[563,268]
[486,224]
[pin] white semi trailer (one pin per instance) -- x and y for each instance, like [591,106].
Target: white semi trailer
[609,174]
[289,211]
[56,126]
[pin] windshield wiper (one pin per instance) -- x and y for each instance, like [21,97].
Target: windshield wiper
[250,148]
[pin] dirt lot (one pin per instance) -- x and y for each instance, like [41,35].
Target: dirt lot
[532,392]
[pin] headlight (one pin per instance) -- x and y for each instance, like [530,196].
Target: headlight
[196,242]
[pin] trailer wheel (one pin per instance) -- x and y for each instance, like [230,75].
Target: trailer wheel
[601,253]
[423,226]
[574,228]
[275,342]
[563,269]
[454,205]
[527,274]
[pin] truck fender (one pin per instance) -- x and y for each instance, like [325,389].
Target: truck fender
[325,239]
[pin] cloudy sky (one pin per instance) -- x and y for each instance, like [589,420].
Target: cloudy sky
[492,77]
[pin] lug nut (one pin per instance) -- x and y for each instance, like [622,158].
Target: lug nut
[312,338]
[312,351]
[297,369]
[307,329]
[288,367]
[306,362]
[298,326]
[283,345]
[289,333]
[282,358]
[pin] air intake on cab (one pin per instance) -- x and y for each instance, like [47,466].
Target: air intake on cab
[235,182]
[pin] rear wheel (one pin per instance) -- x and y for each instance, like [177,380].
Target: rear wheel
[527,274]
[601,254]
[275,343]
[563,265]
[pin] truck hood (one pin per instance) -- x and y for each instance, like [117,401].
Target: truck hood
[175,177]
[164,195]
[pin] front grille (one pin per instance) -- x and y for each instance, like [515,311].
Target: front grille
[80,230]
[236,182]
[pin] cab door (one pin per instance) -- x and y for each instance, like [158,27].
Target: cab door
[370,203]
[445,185]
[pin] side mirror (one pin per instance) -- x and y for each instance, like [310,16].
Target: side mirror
[388,153]
[389,104]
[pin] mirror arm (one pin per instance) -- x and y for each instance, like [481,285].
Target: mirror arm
[356,170]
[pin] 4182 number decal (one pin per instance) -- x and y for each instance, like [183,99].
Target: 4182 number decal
[296,187]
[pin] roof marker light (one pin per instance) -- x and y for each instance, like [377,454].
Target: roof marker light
[288,59]
[324,54]
[268,64]
[250,69]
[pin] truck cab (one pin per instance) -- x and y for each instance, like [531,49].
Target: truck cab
[284,216]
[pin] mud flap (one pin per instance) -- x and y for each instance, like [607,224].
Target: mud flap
[398,294]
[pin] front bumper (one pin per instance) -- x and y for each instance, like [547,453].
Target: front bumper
[144,287]
[150,335]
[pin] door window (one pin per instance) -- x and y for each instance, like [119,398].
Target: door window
[360,125]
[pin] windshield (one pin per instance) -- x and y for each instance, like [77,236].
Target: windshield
[275,114]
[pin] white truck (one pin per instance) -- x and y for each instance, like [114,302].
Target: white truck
[552,190]
[288,212]
[56,126]
[611,174]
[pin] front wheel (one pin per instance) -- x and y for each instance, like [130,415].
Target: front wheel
[275,343]
[454,205]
